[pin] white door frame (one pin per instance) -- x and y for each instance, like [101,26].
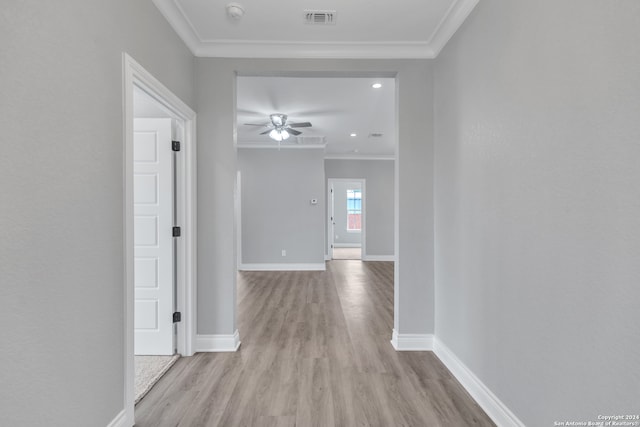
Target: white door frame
[135,75]
[330,209]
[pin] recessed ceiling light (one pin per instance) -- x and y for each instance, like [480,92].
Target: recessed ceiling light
[354,134]
[376,85]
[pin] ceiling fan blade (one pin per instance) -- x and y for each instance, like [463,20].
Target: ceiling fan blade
[256,124]
[266,132]
[293,132]
[299,125]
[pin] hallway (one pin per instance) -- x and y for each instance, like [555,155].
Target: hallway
[315,352]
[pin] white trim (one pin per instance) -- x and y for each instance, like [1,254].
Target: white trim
[321,266]
[360,157]
[489,402]
[330,211]
[308,50]
[180,24]
[327,257]
[450,23]
[429,49]
[283,146]
[412,342]
[218,343]
[366,257]
[348,245]
[135,75]
[120,420]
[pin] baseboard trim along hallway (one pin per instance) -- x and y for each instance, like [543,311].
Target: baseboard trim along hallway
[489,402]
[120,420]
[412,342]
[217,343]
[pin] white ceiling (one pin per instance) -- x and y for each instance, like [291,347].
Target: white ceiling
[270,29]
[335,106]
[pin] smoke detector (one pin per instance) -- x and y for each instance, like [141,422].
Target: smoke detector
[235,11]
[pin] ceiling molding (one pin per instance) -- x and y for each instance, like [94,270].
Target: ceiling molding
[353,156]
[450,23]
[282,145]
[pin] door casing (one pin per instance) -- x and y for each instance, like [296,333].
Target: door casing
[331,212]
[134,75]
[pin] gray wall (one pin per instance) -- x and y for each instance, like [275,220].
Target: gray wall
[341,235]
[277,214]
[61,215]
[217,164]
[380,198]
[538,219]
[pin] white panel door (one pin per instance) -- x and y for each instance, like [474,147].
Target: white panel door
[153,222]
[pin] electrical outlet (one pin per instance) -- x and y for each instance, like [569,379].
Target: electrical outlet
[284,252]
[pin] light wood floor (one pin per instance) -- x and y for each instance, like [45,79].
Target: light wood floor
[347,253]
[315,352]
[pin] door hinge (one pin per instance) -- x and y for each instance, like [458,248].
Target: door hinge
[177,317]
[175,145]
[176,231]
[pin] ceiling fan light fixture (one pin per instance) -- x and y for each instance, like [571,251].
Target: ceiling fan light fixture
[284,134]
[275,134]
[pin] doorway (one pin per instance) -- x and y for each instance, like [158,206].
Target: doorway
[160,227]
[346,218]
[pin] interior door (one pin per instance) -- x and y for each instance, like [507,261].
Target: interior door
[153,240]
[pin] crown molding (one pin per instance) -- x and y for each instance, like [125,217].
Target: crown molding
[450,23]
[354,156]
[282,146]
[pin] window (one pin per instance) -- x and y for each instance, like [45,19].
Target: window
[354,209]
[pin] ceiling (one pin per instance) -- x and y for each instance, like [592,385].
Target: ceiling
[360,29]
[335,106]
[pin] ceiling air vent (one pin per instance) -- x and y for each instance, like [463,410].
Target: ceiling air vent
[375,135]
[320,17]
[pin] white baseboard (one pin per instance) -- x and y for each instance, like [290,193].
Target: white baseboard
[378,257]
[217,343]
[321,266]
[412,342]
[347,245]
[489,402]
[120,420]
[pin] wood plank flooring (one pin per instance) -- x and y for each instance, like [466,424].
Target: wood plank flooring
[315,352]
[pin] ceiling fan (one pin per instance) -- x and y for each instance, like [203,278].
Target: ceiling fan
[279,129]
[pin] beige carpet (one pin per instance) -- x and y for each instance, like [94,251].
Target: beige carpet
[149,369]
[347,253]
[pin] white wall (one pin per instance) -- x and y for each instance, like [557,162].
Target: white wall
[61,209]
[217,164]
[537,205]
[277,214]
[380,180]
[343,237]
